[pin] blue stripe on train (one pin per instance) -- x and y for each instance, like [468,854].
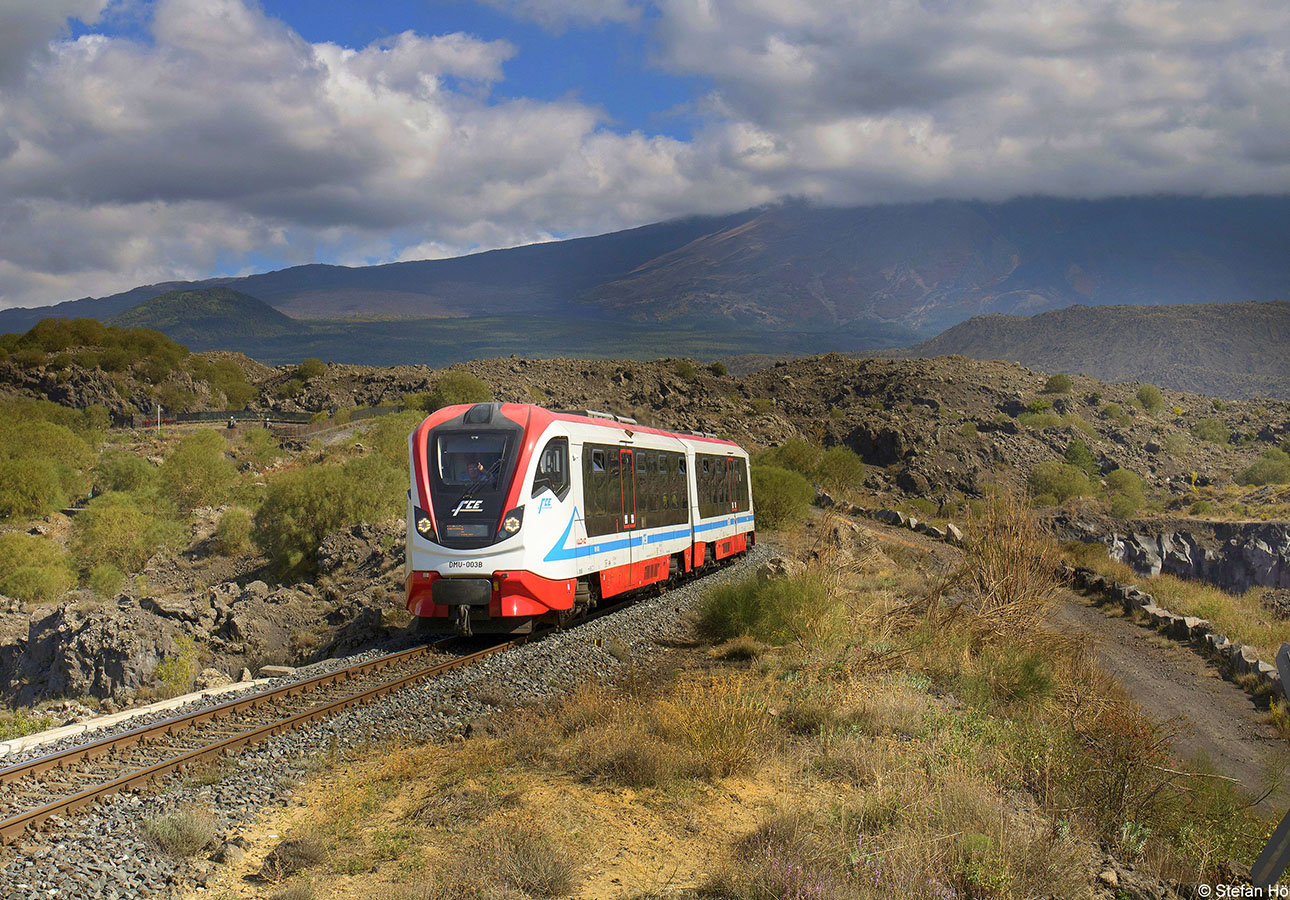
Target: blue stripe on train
[559,552]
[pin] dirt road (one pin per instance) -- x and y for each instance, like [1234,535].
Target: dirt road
[1175,681]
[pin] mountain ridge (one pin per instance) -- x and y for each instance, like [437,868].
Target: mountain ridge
[1233,350]
[920,266]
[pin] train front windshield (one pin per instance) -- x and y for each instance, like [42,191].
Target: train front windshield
[471,459]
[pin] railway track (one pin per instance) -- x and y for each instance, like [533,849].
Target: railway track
[40,789]
[60,783]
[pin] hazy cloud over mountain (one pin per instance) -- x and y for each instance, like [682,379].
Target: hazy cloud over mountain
[220,138]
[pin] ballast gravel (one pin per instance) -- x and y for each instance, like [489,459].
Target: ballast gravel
[104,852]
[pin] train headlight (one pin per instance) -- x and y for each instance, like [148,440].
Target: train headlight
[423,525]
[511,522]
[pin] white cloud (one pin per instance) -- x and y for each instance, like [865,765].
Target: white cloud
[227,133]
[28,26]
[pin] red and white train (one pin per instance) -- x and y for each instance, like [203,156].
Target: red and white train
[518,514]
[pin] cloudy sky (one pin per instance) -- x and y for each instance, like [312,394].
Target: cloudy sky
[152,140]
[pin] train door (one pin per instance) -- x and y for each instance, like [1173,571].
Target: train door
[627,488]
[732,490]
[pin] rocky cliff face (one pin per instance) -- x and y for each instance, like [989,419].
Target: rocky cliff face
[1235,556]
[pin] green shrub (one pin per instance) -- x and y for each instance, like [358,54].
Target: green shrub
[302,507]
[1124,506]
[839,468]
[1115,413]
[780,497]
[1177,446]
[33,568]
[761,405]
[174,675]
[1271,468]
[1125,482]
[258,446]
[773,611]
[233,533]
[115,359]
[1061,480]
[310,368]
[196,472]
[30,357]
[685,369]
[116,528]
[454,388]
[1039,406]
[174,398]
[119,470]
[1211,430]
[1058,384]
[291,388]
[387,436]
[1151,399]
[1201,508]
[1039,420]
[795,454]
[420,402]
[30,487]
[925,508]
[105,580]
[1078,455]
[1218,404]
[968,429]
[718,368]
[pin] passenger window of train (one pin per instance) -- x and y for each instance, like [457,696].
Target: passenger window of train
[553,468]
[681,465]
[597,460]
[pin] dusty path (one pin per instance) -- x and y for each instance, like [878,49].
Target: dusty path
[1169,680]
[1218,718]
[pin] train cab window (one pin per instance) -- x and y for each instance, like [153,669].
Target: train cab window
[597,460]
[553,468]
[680,465]
[475,459]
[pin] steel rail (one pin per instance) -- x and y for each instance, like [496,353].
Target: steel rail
[17,825]
[173,724]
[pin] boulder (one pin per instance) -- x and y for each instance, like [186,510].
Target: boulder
[953,534]
[211,678]
[892,517]
[276,671]
[779,567]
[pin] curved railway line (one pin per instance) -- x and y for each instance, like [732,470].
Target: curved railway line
[52,786]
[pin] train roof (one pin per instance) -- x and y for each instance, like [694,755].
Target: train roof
[530,415]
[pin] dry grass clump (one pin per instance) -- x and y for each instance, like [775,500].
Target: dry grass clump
[1011,562]
[292,856]
[182,832]
[740,649]
[506,861]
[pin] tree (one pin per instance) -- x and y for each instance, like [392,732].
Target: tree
[1271,468]
[33,568]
